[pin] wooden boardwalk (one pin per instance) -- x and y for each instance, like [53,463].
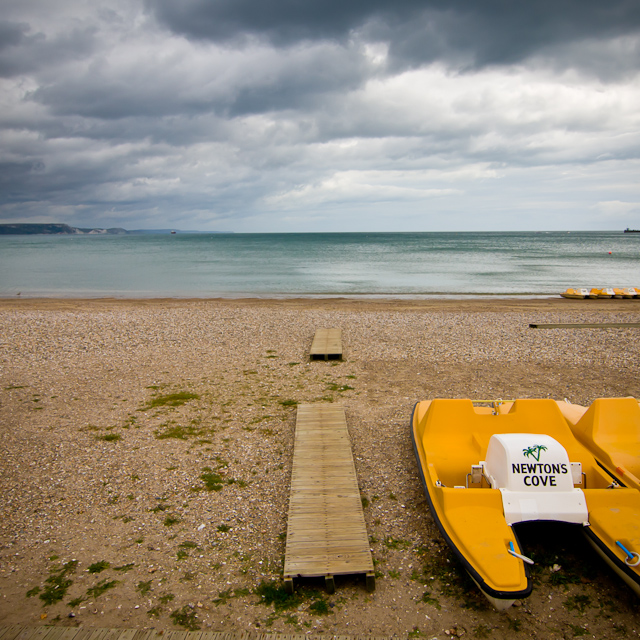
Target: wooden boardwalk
[326,531]
[84,633]
[327,345]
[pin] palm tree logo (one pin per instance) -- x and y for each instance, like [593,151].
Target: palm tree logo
[534,451]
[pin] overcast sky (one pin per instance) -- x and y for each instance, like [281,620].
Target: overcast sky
[309,115]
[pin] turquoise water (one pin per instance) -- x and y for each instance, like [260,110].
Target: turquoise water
[328,264]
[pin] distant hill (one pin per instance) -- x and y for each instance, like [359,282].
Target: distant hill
[56,228]
[53,228]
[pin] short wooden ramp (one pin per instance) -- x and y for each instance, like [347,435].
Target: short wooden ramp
[327,345]
[326,531]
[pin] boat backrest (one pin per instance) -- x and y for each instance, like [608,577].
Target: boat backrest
[535,478]
[610,423]
[528,462]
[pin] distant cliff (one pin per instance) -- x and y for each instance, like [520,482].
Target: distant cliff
[23,229]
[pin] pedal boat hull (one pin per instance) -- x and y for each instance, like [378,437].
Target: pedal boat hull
[606,292]
[575,294]
[449,436]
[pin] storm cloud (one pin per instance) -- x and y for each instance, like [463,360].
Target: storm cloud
[459,32]
[283,115]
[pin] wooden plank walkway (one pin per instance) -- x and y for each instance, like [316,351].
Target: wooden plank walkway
[326,531]
[327,344]
[84,633]
[587,325]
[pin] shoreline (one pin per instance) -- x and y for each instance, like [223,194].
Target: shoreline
[100,469]
[498,304]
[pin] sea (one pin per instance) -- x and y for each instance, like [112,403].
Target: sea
[280,265]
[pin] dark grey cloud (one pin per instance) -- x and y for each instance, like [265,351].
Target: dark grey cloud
[257,81]
[283,22]
[12,33]
[477,33]
[24,51]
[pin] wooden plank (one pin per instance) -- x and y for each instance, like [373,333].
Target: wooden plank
[24,633]
[586,325]
[41,633]
[62,633]
[326,531]
[146,634]
[98,634]
[83,633]
[10,633]
[177,635]
[327,345]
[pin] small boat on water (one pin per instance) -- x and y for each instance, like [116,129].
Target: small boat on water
[576,293]
[487,469]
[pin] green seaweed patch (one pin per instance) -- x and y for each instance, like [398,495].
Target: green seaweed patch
[57,584]
[177,431]
[577,602]
[143,587]
[427,598]
[225,596]
[100,588]
[185,617]
[482,631]
[213,481]
[125,567]
[188,544]
[170,400]
[320,607]
[273,593]
[109,437]
[395,543]
[97,567]
[333,386]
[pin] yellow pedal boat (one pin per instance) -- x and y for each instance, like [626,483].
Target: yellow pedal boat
[605,292]
[625,292]
[485,470]
[576,293]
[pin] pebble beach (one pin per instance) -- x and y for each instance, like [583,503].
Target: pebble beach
[147,449]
